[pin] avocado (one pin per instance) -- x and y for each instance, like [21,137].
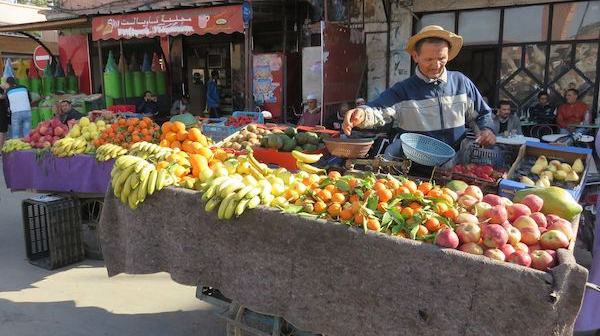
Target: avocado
[291,132]
[274,141]
[288,145]
[301,139]
[312,138]
[309,148]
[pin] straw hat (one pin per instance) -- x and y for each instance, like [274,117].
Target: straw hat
[455,41]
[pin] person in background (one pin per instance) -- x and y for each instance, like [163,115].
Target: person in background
[180,106]
[360,102]
[312,112]
[212,95]
[67,112]
[434,101]
[504,120]
[335,121]
[149,105]
[4,118]
[572,111]
[19,102]
[542,112]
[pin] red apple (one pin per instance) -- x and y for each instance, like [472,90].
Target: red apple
[447,238]
[550,219]
[467,201]
[27,139]
[492,199]
[36,137]
[517,210]
[494,235]
[495,253]
[520,246]
[468,232]
[475,192]
[554,239]
[524,221]
[514,235]
[472,248]
[480,209]
[534,247]
[59,131]
[553,254]
[520,258]
[497,214]
[542,229]
[530,235]
[540,219]
[534,202]
[542,260]
[564,226]
[506,201]
[466,217]
[506,224]
[507,249]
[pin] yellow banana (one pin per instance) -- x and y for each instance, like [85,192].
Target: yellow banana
[308,168]
[127,187]
[222,207]
[210,192]
[239,209]
[212,204]
[160,179]
[235,186]
[142,189]
[306,158]
[121,179]
[255,192]
[243,192]
[254,202]
[152,181]
[230,208]
[132,199]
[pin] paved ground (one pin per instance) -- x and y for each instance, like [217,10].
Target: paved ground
[81,300]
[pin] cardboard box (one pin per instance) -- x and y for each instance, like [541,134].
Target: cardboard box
[567,154]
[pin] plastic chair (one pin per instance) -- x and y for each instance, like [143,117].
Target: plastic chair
[538,131]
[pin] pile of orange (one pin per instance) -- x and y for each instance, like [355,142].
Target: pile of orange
[424,205]
[191,141]
[125,132]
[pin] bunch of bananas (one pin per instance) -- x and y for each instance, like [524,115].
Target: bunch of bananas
[257,169]
[133,178]
[150,151]
[109,151]
[233,195]
[69,147]
[303,162]
[15,145]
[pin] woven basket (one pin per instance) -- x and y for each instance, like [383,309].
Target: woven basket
[348,148]
[425,150]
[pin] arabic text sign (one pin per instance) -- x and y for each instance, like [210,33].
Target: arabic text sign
[213,20]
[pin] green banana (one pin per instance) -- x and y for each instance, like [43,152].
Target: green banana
[212,204]
[210,192]
[253,193]
[239,210]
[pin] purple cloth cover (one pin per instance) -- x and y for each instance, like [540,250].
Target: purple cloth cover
[80,173]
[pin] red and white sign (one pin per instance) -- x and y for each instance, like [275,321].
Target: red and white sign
[41,57]
[211,20]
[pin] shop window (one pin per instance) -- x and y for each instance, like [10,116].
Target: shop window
[576,21]
[445,20]
[585,59]
[560,60]
[573,66]
[522,73]
[525,24]
[511,61]
[479,27]
[535,60]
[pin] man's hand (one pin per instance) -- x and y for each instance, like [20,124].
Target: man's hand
[486,138]
[352,119]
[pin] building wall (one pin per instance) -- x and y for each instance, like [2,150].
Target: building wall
[420,6]
[18,44]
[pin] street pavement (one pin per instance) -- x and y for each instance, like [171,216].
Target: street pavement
[81,299]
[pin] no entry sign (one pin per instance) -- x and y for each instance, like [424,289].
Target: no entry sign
[41,57]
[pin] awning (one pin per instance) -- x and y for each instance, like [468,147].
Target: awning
[81,22]
[201,21]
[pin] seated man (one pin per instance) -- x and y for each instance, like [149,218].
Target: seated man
[335,121]
[542,112]
[312,112]
[504,120]
[149,105]
[67,112]
[572,111]
[180,112]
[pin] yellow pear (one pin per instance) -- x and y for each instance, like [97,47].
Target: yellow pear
[541,160]
[551,168]
[565,167]
[527,180]
[555,163]
[578,166]
[560,175]
[538,169]
[572,176]
[548,174]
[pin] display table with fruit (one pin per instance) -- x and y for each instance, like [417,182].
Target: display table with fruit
[341,280]
[25,170]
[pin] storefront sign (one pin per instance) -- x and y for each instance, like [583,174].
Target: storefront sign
[212,20]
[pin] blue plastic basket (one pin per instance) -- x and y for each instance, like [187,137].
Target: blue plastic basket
[425,150]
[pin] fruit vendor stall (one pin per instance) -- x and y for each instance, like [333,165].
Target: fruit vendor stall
[265,217]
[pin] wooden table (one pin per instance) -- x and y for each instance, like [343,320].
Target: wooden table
[517,140]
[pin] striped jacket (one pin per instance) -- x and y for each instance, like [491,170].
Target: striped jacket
[439,108]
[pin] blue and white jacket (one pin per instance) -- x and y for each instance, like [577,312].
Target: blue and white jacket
[439,108]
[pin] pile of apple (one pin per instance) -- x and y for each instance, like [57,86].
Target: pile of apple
[519,233]
[46,133]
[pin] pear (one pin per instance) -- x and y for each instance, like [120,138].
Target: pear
[527,180]
[548,174]
[578,166]
[560,175]
[538,168]
[565,167]
[552,168]
[572,176]
[555,163]
[541,160]
[543,182]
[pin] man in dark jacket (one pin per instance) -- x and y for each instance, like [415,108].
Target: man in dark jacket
[149,105]
[67,112]
[542,112]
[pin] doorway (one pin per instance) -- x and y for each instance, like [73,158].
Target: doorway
[480,64]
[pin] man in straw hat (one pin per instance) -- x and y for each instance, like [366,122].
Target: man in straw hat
[434,101]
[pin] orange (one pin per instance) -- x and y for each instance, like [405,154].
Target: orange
[324,195]
[291,195]
[331,188]
[434,193]
[402,190]
[171,136]
[178,126]
[415,205]
[419,193]
[346,214]
[320,207]
[451,213]
[433,224]
[359,219]
[187,146]
[384,195]
[194,134]
[410,185]
[354,198]
[334,175]
[425,187]
[334,209]
[182,135]
[176,144]
[206,152]
[166,127]
[373,224]
[353,182]
[356,206]
[379,186]
[441,207]
[422,230]
[195,147]
[382,206]
[338,198]
[448,198]
[408,212]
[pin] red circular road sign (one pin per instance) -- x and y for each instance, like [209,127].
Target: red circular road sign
[41,57]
